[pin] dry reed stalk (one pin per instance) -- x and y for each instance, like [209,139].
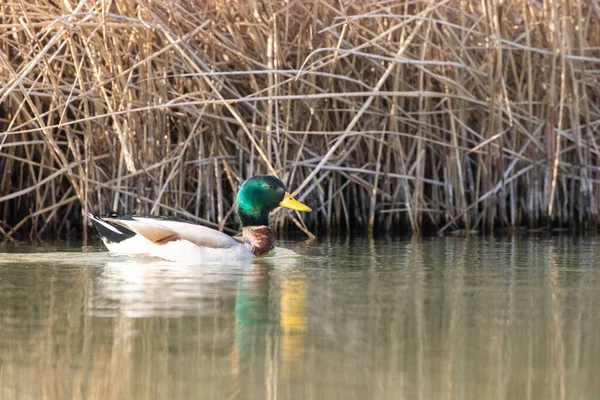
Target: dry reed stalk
[401,116]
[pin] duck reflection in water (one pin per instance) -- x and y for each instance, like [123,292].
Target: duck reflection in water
[261,309]
[251,316]
[267,299]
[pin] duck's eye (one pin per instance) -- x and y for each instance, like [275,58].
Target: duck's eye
[269,186]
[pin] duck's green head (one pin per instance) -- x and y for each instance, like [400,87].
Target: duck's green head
[259,195]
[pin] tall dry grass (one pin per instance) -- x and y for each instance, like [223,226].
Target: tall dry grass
[390,115]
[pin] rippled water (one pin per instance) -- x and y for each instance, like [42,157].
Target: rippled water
[454,318]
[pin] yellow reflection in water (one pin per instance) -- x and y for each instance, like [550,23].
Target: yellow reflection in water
[292,319]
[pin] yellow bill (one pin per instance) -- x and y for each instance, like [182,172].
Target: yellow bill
[289,202]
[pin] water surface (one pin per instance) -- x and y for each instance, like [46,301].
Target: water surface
[453,318]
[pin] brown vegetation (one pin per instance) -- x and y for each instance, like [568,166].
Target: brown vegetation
[388,114]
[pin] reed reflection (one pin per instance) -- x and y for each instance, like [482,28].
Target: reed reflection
[445,319]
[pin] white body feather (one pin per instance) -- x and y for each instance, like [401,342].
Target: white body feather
[188,249]
[181,251]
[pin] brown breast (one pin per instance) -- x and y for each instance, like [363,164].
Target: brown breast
[260,238]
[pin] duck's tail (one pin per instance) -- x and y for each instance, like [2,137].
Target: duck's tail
[109,231]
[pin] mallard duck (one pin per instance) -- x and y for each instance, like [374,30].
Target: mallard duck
[177,240]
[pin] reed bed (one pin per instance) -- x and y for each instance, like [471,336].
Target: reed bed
[421,116]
